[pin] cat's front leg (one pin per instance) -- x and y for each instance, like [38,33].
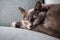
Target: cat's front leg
[16,24]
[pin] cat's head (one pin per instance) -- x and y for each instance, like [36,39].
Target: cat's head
[30,16]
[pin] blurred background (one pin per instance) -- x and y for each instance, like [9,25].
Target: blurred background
[9,9]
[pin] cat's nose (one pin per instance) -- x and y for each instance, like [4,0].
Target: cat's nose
[28,28]
[31,27]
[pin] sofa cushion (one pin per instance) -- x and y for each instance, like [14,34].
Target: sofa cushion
[9,33]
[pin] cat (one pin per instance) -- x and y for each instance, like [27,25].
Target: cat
[42,18]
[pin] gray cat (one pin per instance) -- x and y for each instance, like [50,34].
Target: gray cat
[42,18]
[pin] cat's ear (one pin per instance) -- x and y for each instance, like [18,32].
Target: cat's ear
[23,12]
[38,5]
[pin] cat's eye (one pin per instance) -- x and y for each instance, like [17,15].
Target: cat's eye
[35,15]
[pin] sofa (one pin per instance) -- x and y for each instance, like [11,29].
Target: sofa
[9,33]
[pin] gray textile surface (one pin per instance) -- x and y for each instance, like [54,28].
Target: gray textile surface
[8,33]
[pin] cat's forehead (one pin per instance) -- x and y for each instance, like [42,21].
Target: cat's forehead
[30,11]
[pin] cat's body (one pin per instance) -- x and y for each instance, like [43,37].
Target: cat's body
[51,24]
[42,18]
